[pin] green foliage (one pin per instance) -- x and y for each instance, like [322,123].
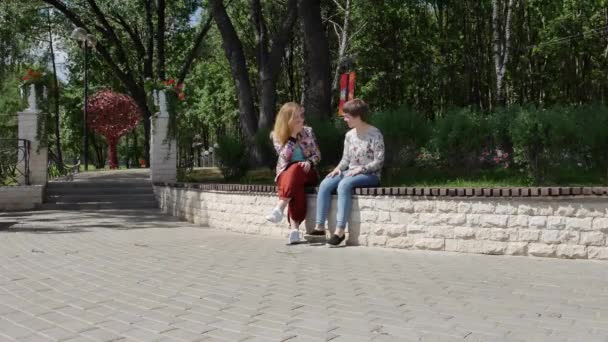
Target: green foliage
[10,104]
[264,144]
[459,137]
[405,132]
[541,137]
[591,125]
[330,138]
[232,156]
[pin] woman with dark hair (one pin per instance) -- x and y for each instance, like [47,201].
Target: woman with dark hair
[360,166]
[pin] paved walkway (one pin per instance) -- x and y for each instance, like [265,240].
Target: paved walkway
[141,276]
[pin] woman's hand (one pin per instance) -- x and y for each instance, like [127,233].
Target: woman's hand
[305,165]
[335,172]
[354,172]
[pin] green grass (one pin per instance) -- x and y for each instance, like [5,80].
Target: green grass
[416,177]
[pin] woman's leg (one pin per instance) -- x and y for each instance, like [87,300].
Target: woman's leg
[324,199]
[287,184]
[297,205]
[345,197]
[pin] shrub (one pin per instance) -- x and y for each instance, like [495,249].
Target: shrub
[264,144]
[330,138]
[590,125]
[459,137]
[542,138]
[405,132]
[232,156]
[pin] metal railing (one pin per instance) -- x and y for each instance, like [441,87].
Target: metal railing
[15,162]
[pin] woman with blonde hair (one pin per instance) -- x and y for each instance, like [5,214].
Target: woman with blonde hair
[298,155]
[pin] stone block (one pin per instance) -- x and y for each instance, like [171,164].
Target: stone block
[499,221]
[396,230]
[465,207]
[600,224]
[415,229]
[528,235]
[592,238]
[474,220]
[574,223]
[432,244]
[559,236]
[516,248]
[400,242]
[403,205]
[556,222]
[440,232]
[447,206]
[600,253]
[464,233]
[565,210]
[541,249]
[377,241]
[482,208]
[571,251]
[518,221]
[505,209]
[424,206]
[537,222]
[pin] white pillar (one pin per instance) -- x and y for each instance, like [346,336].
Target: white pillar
[38,156]
[163,154]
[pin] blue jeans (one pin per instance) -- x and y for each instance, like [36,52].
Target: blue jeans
[344,186]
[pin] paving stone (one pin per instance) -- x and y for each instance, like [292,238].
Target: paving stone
[153,278]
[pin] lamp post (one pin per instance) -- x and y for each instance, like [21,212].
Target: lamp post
[88,41]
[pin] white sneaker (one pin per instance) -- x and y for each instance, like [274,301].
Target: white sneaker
[276,215]
[294,237]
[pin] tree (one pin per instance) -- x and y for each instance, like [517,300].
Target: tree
[112,115]
[127,46]
[268,65]
[501,29]
[317,89]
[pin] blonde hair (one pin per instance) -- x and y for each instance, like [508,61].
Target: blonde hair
[282,131]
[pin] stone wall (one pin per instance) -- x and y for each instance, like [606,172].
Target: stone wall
[21,197]
[558,226]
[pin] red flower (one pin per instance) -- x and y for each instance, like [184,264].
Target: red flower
[180,86]
[181,96]
[169,82]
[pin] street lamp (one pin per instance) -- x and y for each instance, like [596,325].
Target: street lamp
[88,41]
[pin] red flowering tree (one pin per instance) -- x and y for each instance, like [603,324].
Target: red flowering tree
[112,115]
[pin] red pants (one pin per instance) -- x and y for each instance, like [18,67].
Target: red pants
[291,184]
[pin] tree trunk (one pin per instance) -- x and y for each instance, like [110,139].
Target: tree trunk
[269,62]
[233,49]
[317,99]
[56,97]
[160,39]
[343,43]
[501,29]
[112,155]
[149,59]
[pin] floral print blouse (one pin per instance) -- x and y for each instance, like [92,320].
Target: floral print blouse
[307,142]
[366,151]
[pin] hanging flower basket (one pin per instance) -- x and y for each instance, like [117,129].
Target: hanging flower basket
[34,94]
[34,89]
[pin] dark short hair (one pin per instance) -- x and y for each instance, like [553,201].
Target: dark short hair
[357,107]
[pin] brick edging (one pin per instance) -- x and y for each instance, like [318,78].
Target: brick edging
[415,191]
